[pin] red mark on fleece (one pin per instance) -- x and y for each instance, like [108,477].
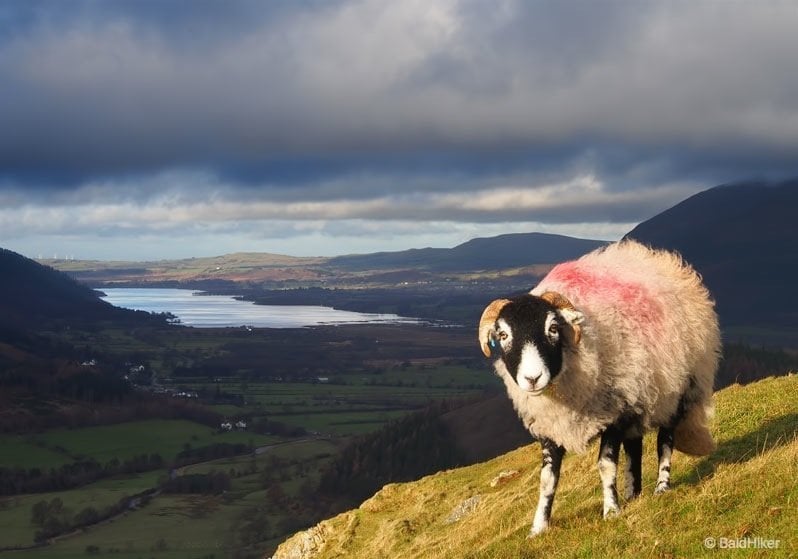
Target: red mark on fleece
[632,300]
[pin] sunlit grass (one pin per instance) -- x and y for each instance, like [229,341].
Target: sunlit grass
[745,489]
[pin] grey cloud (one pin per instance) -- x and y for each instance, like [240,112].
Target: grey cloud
[121,94]
[248,112]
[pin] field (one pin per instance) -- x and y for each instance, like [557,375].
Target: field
[122,441]
[177,525]
[348,404]
[303,403]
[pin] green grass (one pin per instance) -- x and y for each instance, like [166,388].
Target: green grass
[169,527]
[746,488]
[360,403]
[15,512]
[341,423]
[22,452]
[190,526]
[126,440]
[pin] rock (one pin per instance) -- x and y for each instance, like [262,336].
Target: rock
[463,509]
[504,477]
[303,545]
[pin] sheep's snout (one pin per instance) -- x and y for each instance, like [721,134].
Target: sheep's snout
[533,375]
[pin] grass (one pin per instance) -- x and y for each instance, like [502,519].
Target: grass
[171,526]
[745,489]
[15,512]
[355,403]
[23,452]
[126,440]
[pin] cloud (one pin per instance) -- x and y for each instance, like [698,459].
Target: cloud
[140,114]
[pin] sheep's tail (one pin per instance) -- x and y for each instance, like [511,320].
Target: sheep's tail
[692,435]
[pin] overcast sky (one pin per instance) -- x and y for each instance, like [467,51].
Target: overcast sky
[149,129]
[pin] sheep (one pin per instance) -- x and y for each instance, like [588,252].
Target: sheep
[622,340]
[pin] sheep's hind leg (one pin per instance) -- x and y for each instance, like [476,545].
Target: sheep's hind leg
[634,467]
[664,452]
[549,477]
[608,469]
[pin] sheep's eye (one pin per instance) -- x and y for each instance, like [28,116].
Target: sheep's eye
[503,336]
[553,329]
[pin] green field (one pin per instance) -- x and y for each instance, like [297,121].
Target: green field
[29,452]
[121,441]
[365,386]
[350,404]
[15,512]
[174,526]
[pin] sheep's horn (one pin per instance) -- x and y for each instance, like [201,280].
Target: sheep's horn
[560,302]
[489,316]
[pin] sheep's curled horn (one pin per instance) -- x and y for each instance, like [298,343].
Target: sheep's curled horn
[489,316]
[491,313]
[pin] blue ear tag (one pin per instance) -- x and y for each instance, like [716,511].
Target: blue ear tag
[493,343]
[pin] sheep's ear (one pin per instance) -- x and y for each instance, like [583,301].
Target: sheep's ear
[574,318]
[486,322]
[566,310]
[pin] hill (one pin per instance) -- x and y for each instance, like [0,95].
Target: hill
[742,239]
[493,253]
[31,293]
[505,252]
[746,489]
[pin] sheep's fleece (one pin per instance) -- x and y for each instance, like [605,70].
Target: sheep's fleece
[650,336]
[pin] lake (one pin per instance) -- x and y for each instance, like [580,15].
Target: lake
[216,311]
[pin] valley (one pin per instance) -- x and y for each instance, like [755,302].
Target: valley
[124,434]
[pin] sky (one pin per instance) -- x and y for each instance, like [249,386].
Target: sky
[150,129]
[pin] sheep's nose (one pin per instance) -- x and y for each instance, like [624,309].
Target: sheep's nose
[533,380]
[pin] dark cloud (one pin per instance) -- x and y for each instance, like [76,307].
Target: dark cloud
[151,103]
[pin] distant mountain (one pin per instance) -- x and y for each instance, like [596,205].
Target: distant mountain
[31,293]
[743,239]
[494,253]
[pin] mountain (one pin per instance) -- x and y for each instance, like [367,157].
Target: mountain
[484,255]
[745,489]
[743,239]
[493,253]
[31,293]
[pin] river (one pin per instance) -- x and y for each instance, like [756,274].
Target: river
[193,308]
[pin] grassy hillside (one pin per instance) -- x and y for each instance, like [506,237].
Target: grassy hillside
[746,489]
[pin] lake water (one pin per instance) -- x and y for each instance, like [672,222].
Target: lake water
[216,311]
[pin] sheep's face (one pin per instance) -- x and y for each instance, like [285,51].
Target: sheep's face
[528,333]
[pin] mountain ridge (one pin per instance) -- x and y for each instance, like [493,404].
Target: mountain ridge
[742,238]
[511,250]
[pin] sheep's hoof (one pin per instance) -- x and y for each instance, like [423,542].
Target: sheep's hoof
[536,530]
[661,488]
[611,512]
[631,495]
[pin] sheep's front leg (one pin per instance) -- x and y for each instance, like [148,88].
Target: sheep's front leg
[549,477]
[608,469]
[664,452]
[634,467]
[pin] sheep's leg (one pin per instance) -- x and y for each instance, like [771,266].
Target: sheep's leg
[634,467]
[664,452]
[549,477]
[608,469]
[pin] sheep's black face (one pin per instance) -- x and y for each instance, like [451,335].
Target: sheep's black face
[528,332]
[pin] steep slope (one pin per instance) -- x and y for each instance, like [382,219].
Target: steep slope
[746,489]
[31,293]
[742,238]
[494,253]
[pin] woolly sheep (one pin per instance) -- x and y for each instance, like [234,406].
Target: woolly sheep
[622,340]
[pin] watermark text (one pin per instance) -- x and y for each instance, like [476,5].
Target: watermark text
[750,542]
